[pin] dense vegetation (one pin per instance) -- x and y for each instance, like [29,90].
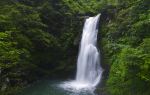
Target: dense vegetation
[126,45]
[40,38]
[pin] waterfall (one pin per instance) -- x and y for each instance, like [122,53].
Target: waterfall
[89,71]
[88,64]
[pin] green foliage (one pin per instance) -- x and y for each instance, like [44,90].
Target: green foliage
[145,67]
[82,6]
[10,57]
[126,70]
[126,48]
[36,39]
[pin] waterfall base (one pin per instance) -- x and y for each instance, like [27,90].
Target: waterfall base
[75,86]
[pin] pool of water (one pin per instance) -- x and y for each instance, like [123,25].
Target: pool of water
[48,87]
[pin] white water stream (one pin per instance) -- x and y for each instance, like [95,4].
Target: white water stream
[89,71]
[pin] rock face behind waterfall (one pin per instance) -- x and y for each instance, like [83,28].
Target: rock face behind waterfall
[88,64]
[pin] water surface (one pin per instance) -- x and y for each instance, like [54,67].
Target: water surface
[47,87]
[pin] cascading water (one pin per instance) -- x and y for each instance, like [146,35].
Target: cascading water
[89,71]
[88,64]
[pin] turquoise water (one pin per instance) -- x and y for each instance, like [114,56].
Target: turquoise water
[50,88]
